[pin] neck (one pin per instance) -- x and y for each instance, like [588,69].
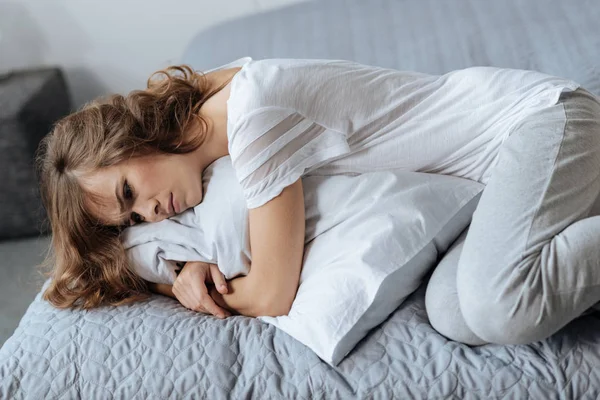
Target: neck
[214,112]
[215,145]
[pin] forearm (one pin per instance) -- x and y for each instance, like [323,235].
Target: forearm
[277,242]
[161,288]
[240,297]
[243,297]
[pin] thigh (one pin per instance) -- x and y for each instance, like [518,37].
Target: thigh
[547,178]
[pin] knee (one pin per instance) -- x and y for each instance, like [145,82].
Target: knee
[441,299]
[443,311]
[494,318]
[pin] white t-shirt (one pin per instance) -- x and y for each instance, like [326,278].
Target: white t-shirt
[290,118]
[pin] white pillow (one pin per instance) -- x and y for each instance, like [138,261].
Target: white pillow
[370,239]
[214,231]
[391,229]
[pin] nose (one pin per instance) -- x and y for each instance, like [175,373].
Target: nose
[152,212]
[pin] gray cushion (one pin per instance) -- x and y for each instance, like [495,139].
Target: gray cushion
[30,102]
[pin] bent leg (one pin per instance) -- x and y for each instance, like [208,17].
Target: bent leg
[531,260]
[441,298]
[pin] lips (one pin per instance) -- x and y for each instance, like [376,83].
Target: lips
[174,204]
[171,205]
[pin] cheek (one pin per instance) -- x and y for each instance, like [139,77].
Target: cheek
[150,178]
[193,188]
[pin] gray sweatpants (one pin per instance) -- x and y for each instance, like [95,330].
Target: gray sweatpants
[530,261]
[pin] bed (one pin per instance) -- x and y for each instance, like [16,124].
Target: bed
[158,349]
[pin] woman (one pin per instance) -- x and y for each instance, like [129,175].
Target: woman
[528,265]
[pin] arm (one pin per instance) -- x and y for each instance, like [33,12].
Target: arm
[191,288]
[269,146]
[277,248]
[161,288]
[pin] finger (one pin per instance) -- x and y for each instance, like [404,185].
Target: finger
[185,296]
[218,278]
[209,304]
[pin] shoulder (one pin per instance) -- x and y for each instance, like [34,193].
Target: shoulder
[273,82]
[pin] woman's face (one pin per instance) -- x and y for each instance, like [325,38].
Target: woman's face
[148,188]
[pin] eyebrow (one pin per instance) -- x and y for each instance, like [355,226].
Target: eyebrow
[120,200]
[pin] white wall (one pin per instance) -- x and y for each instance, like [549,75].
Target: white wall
[109,45]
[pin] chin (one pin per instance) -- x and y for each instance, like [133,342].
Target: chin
[197,202]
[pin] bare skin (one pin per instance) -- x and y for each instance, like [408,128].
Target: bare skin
[276,228]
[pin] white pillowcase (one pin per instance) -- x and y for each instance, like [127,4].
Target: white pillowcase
[370,239]
[214,231]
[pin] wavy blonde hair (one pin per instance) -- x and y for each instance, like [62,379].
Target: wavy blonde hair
[87,262]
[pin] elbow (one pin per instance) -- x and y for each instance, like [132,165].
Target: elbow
[277,310]
[276,306]
[275,298]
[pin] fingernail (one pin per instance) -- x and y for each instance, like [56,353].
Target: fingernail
[223,287]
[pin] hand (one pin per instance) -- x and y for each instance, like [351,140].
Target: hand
[191,291]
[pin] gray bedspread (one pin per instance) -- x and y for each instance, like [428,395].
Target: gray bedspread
[159,350]
[558,37]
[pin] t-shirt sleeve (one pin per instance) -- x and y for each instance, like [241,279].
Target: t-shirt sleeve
[272,147]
